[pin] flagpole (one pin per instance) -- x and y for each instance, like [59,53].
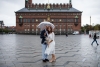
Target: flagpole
[90,22]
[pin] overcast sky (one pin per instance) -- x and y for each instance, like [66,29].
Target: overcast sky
[89,8]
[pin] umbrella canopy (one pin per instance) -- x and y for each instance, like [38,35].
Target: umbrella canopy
[42,25]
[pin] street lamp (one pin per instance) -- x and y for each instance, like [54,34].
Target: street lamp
[90,22]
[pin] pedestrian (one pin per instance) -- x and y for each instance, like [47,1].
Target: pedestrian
[66,34]
[51,44]
[43,35]
[89,35]
[94,39]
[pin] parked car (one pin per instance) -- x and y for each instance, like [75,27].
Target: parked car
[76,33]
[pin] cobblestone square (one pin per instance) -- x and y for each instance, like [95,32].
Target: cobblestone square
[71,51]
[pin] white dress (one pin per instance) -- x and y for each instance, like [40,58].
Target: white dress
[51,48]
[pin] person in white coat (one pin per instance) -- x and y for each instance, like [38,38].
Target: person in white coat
[51,44]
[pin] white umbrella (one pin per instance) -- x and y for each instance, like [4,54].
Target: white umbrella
[44,24]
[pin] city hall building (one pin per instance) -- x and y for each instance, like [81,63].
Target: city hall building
[65,18]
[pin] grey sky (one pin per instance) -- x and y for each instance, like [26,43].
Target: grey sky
[89,8]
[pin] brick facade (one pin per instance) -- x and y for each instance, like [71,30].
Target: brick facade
[65,22]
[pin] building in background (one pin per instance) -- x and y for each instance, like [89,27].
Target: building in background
[11,28]
[65,17]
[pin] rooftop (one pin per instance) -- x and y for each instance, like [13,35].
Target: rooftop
[65,7]
[51,10]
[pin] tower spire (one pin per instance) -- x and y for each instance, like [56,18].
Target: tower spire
[28,3]
[70,3]
[48,6]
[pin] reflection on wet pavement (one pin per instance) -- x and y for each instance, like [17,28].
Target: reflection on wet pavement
[71,51]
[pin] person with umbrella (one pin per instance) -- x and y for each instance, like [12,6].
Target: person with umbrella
[44,34]
[51,44]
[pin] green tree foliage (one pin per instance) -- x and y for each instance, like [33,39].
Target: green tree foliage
[5,30]
[88,27]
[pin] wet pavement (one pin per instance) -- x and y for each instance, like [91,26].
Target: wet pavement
[71,51]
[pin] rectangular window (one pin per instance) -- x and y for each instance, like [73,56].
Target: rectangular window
[71,29]
[60,29]
[56,26]
[64,20]
[68,29]
[76,20]
[28,29]
[36,20]
[32,20]
[40,20]
[28,20]
[36,29]
[55,20]
[25,29]
[64,30]
[24,20]
[25,25]
[32,29]
[52,20]
[32,25]
[70,20]
[55,29]
[20,20]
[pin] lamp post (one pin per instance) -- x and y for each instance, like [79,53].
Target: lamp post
[90,22]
